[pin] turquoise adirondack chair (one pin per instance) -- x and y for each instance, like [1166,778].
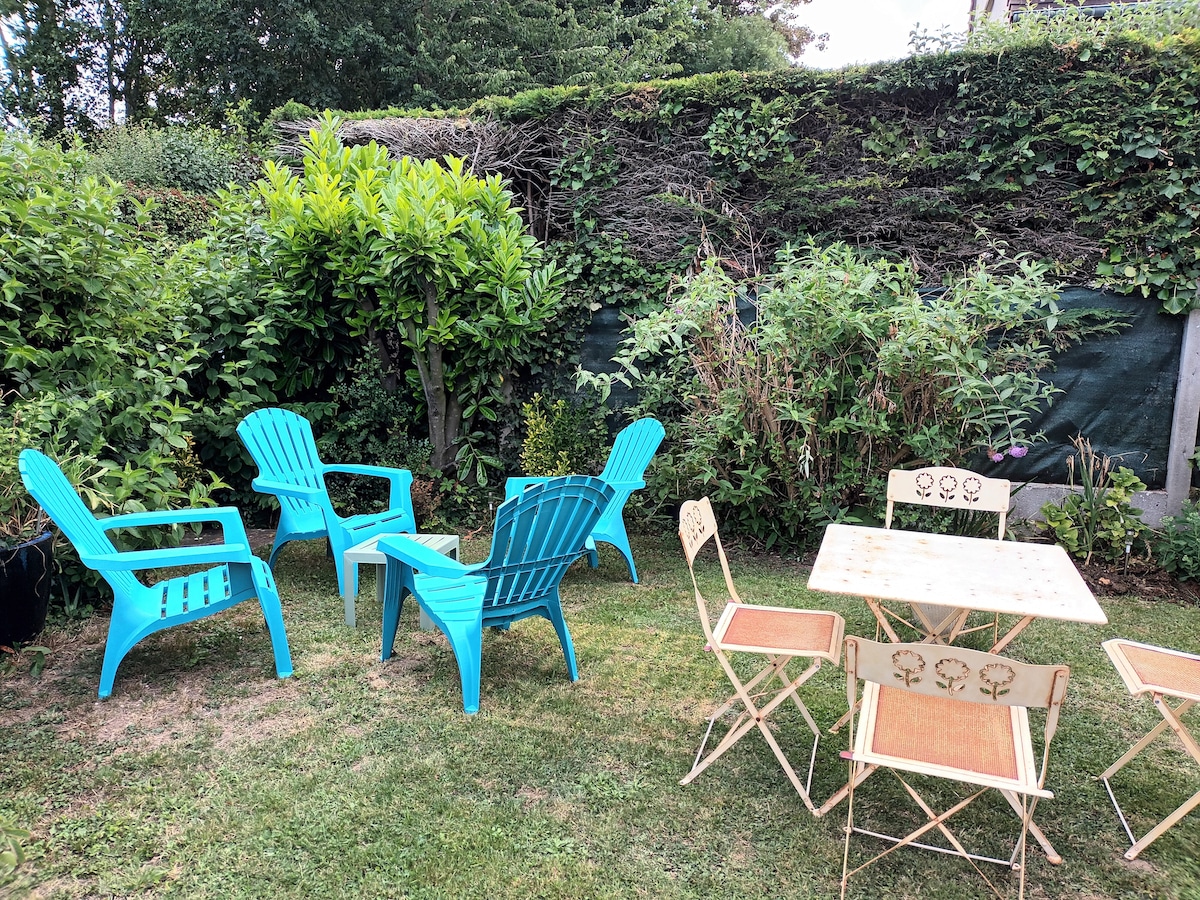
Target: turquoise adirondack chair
[631,453]
[139,610]
[536,538]
[282,446]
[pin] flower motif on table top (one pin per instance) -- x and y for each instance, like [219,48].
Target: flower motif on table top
[947,485]
[924,482]
[997,677]
[952,673]
[910,666]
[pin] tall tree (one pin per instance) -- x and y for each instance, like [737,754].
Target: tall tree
[75,62]
[48,46]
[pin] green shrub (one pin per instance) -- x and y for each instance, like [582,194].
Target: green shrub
[373,425]
[1177,547]
[177,216]
[429,264]
[94,359]
[1099,519]
[198,160]
[562,437]
[789,400]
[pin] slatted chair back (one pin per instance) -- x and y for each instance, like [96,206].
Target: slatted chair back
[55,494]
[948,488]
[632,450]
[282,445]
[538,534]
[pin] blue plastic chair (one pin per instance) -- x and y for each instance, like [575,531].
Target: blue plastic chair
[536,538]
[631,453]
[139,610]
[282,446]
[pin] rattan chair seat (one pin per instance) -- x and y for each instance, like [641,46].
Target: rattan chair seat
[769,629]
[985,745]
[1164,671]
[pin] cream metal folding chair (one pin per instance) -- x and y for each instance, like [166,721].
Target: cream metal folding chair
[947,488]
[1161,673]
[779,633]
[956,714]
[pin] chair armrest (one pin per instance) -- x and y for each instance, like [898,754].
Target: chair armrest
[133,560]
[422,558]
[516,486]
[629,486]
[227,517]
[283,489]
[400,496]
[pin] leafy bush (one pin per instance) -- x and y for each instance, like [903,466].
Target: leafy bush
[372,425]
[789,400]
[95,360]
[562,438]
[177,216]
[1178,546]
[1068,136]
[429,264]
[1098,519]
[198,160]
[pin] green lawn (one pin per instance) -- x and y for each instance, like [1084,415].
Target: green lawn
[204,776]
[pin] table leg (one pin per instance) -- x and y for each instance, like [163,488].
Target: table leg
[351,598]
[1010,634]
[882,619]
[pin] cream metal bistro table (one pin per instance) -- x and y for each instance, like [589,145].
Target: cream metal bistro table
[1031,581]
[366,552]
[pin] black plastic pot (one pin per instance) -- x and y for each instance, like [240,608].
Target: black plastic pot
[25,572]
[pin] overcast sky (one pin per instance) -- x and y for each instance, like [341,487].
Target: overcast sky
[864,31]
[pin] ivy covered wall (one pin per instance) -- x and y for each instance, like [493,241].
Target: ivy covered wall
[1081,154]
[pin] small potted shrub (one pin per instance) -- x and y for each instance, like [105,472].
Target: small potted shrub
[26,548]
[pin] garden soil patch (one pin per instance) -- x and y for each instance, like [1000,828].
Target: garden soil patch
[1141,578]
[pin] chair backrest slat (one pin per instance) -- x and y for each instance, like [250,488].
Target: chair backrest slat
[955,672]
[697,526]
[632,450]
[55,494]
[282,445]
[538,534]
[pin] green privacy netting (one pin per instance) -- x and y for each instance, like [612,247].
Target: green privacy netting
[1118,391]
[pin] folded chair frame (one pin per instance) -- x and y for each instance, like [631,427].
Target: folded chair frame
[1136,665]
[742,628]
[887,670]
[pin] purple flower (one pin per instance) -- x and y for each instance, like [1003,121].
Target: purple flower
[1018,451]
[996,457]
